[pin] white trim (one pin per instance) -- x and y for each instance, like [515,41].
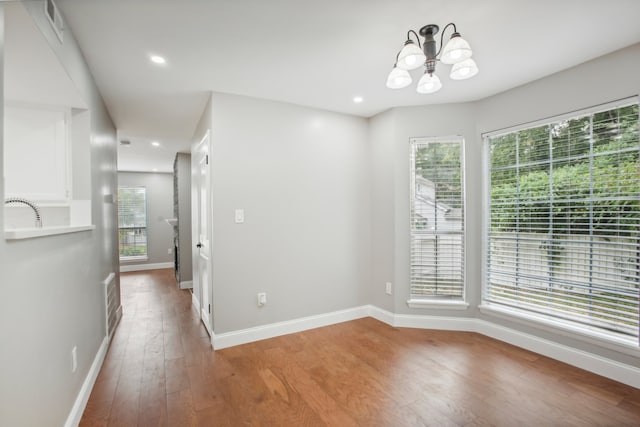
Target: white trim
[592,336]
[142,267]
[118,317]
[188,284]
[434,304]
[109,278]
[382,315]
[229,339]
[28,233]
[612,369]
[85,391]
[434,322]
[132,258]
[205,318]
[421,321]
[195,302]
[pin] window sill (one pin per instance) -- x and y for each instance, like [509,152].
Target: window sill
[134,258]
[580,332]
[28,233]
[438,304]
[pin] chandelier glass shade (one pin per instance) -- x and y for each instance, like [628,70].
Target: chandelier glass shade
[398,78]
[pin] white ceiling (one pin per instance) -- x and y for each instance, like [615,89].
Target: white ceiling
[316,53]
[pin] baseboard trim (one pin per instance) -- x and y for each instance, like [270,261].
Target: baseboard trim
[195,302]
[608,368]
[186,284]
[611,369]
[382,315]
[85,391]
[124,268]
[244,336]
[115,326]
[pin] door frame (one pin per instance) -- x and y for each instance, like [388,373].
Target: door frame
[205,305]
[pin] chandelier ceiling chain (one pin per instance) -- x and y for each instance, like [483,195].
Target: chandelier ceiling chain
[456,52]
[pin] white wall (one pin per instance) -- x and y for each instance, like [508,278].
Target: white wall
[52,295]
[302,177]
[159,193]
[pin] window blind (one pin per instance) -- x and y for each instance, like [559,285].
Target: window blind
[437,219]
[132,222]
[563,228]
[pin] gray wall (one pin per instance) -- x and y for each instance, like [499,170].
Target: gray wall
[159,207]
[389,138]
[52,295]
[302,177]
[182,211]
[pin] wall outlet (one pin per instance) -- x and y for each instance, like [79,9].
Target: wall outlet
[388,288]
[262,299]
[74,359]
[169,251]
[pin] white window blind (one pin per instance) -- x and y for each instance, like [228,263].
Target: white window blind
[437,219]
[564,212]
[132,222]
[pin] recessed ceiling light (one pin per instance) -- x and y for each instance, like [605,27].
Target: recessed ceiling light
[154,169]
[358,99]
[155,143]
[157,59]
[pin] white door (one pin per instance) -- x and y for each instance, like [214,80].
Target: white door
[203,245]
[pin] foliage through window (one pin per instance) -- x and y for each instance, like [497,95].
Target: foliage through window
[564,212]
[437,219]
[132,222]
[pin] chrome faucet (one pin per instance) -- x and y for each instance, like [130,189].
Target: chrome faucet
[28,203]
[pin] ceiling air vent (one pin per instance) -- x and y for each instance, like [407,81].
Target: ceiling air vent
[125,142]
[54,17]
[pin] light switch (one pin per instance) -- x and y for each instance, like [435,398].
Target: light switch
[239,216]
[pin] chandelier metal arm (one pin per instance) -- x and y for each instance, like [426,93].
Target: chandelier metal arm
[416,35]
[455,30]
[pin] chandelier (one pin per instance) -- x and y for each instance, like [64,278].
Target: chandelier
[457,52]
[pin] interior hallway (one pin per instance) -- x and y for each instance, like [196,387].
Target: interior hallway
[161,371]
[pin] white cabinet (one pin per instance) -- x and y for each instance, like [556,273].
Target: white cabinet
[36,153]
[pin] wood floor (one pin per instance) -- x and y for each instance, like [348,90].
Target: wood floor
[161,371]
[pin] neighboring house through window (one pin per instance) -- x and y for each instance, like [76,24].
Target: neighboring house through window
[437,220]
[132,223]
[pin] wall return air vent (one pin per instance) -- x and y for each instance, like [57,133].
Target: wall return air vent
[54,17]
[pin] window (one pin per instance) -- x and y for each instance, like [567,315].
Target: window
[563,225]
[437,219]
[132,223]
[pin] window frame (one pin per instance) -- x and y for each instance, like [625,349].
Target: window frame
[588,333]
[438,302]
[144,257]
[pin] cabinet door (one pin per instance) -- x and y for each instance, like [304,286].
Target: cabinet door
[36,154]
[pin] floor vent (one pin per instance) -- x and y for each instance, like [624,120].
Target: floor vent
[110,302]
